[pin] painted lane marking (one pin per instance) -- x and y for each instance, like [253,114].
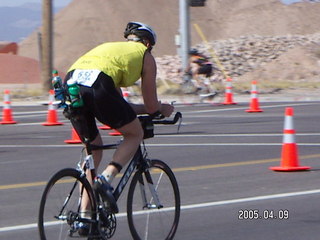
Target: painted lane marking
[185,207]
[191,168]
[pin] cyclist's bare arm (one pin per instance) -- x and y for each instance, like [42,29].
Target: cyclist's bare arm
[166,109]
[148,84]
[139,108]
[149,90]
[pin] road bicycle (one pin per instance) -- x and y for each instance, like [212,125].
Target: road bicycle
[205,89]
[153,200]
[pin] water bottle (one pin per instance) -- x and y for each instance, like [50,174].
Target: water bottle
[58,87]
[74,92]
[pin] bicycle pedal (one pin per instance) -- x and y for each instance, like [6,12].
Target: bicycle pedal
[83,229]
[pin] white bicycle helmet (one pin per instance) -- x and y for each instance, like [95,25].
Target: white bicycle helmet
[141,30]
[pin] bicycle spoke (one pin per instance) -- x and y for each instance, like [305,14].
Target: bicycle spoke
[154,193]
[154,221]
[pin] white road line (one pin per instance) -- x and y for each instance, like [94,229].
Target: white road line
[224,144]
[33,112]
[40,146]
[165,145]
[190,206]
[250,199]
[240,108]
[235,135]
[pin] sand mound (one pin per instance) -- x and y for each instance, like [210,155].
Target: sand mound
[84,24]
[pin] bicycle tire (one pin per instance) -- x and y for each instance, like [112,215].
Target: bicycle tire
[157,223]
[55,195]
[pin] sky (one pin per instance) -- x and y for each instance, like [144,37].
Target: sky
[15,3]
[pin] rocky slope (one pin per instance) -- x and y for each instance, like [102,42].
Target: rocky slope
[274,58]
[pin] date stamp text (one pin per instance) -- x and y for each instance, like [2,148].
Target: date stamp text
[253,214]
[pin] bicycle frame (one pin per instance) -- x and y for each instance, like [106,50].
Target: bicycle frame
[137,162]
[137,158]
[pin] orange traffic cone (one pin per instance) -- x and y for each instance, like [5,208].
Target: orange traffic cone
[126,95]
[6,112]
[74,137]
[52,117]
[105,127]
[290,161]
[254,104]
[115,133]
[228,93]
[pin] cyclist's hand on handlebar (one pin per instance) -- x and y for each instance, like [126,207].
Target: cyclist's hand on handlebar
[166,109]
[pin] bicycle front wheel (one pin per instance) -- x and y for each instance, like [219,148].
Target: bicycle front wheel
[60,206]
[153,205]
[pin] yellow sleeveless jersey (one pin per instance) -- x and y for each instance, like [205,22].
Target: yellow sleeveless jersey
[122,61]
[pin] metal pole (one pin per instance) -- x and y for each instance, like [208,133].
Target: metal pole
[40,49]
[47,44]
[184,35]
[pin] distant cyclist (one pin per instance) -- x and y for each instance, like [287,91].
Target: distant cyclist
[199,65]
[200,69]
[101,73]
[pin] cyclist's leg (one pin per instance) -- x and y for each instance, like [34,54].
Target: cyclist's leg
[110,108]
[195,80]
[132,137]
[85,126]
[204,72]
[97,155]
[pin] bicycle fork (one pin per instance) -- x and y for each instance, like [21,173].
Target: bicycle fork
[153,190]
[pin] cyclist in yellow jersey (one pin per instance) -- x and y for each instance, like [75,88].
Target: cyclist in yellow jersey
[122,61]
[100,73]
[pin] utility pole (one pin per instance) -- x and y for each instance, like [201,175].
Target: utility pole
[184,36]
[47,44]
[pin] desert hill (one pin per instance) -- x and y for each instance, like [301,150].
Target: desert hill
[84,24]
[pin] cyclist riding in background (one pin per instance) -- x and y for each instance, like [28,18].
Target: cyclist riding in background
[199,65]
[101,73]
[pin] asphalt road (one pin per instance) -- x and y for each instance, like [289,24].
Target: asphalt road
[221,158]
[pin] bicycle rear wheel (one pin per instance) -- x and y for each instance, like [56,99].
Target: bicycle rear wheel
[147,219]
[59,213]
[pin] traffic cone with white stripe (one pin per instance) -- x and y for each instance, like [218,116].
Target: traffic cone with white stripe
[7,112]
[254,104]
[52,116]
[74,137]
[228,93]
[290,161]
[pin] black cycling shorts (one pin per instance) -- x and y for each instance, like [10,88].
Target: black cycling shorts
[205,70]
[103,102]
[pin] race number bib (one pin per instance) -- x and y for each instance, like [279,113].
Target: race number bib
[85,77]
